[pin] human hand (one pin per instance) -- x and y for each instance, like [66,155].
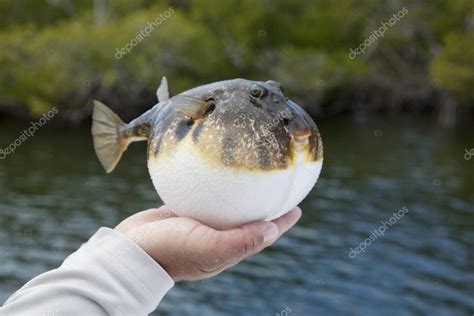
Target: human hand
[189,250]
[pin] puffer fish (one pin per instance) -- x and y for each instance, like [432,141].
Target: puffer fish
[225,153]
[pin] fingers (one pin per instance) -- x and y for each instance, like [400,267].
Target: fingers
[288,220]
[253,237]
[235,244]
[154,214]
[144,217]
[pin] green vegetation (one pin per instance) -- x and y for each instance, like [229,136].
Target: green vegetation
[63,53]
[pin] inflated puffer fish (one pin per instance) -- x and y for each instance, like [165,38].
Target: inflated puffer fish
[225,153]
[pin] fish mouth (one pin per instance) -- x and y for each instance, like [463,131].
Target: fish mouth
[301,138]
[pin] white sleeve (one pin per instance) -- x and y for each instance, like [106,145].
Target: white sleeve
[108,275]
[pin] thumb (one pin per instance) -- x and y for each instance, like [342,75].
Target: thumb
[253,237]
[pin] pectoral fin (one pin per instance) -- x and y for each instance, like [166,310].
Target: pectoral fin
[192,107]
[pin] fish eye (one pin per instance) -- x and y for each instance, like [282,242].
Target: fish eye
[256,91]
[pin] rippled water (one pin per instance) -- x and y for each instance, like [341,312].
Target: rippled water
[54,195]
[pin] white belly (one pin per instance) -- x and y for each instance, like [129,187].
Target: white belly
[223,197]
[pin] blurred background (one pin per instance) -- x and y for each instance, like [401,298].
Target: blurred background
[389,83]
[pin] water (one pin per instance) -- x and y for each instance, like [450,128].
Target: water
[54,195]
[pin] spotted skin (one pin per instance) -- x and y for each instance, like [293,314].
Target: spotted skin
[139,131]
[240,131]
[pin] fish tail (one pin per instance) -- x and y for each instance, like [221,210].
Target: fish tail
[110,141]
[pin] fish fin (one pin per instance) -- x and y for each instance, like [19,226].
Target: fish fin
[192,107]
[162,91]
[109,142]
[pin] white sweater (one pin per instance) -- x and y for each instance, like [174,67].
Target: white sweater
[108,275]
